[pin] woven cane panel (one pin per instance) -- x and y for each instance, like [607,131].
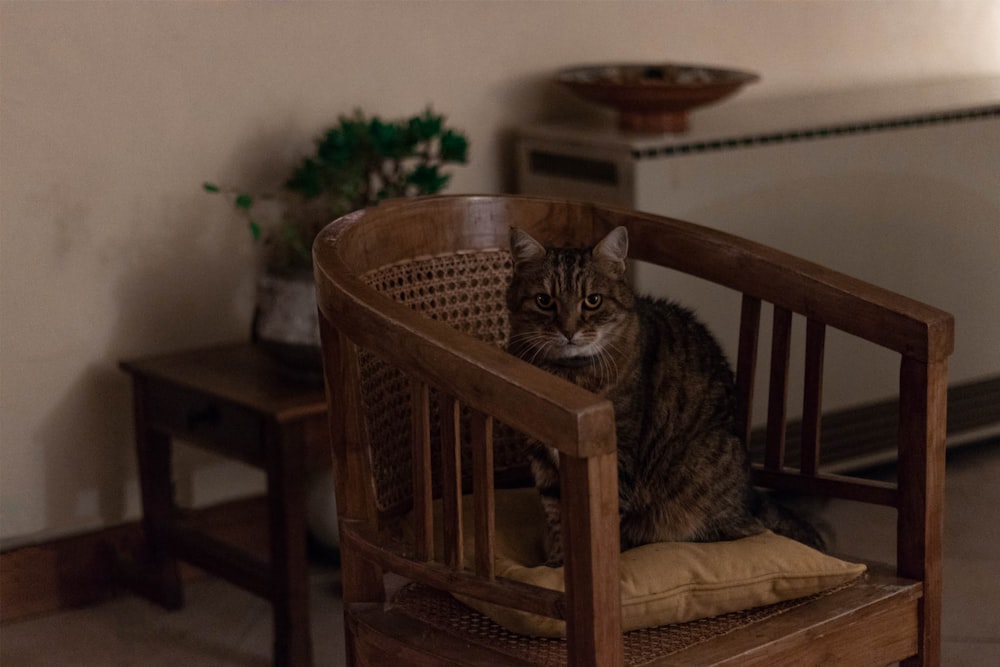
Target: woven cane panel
[466,290]
[642,647]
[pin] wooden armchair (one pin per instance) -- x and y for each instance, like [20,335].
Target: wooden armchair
[411,295]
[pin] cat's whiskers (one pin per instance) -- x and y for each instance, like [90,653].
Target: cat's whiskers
[606,375]
[606,368]
[531,345]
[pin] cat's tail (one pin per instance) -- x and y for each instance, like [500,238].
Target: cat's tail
[788,523]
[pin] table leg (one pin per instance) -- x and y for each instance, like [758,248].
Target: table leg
[286,497]
[159,577]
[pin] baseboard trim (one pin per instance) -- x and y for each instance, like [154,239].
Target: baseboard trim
[82,570]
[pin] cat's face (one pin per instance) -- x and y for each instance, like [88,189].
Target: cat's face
[568,306]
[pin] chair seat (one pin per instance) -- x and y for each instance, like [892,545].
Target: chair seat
[427,619]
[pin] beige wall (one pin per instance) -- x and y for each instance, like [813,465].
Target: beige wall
[114,113]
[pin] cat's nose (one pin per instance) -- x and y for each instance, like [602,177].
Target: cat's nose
[568,327]
[569,333]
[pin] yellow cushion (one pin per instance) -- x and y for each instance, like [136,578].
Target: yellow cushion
[662,583]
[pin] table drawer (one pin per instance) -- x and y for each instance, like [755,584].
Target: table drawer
[210,423]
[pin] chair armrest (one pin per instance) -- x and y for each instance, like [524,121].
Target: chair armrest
[886,318]
[480,375]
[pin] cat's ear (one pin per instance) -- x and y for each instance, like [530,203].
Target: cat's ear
[613,249]
[524,248]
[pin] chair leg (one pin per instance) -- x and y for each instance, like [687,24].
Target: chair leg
[923,414]
[286,497]
[591,542]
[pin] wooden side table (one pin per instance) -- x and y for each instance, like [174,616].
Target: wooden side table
[235,401]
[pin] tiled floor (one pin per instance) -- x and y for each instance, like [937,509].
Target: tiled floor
[222,625]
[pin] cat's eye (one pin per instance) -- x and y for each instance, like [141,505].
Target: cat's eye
[592,301]
[544,301]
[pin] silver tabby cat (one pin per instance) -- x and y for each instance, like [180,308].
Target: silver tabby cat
[683,471]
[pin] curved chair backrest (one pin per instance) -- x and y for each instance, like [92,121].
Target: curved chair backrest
[411,295]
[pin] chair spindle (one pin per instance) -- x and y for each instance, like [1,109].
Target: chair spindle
[781,335]
[746,365]
[481,430]
[423,521]
[812,397]
[451,481]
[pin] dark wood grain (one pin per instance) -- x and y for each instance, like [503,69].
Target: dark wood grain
[451,482]
[235,401]
[777,399]
[812,397]
[423,521]
[746,364]
[869,623]
[484,506]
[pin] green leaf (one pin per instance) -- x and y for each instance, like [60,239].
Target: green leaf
[357,161]
[385,138]
[426,126]
[454,147]
[308,178]
[338,145]
[427,179]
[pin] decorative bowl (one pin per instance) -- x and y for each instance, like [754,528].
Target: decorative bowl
[654,97]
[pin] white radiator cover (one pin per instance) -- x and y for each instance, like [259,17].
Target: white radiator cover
[898,186]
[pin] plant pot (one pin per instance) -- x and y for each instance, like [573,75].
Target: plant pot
[286,324]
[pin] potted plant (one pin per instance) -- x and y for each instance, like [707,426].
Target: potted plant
[357,162]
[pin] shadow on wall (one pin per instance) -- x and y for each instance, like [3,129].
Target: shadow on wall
[86,462]
[185,283]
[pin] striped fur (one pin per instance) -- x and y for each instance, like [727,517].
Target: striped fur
[683,471]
